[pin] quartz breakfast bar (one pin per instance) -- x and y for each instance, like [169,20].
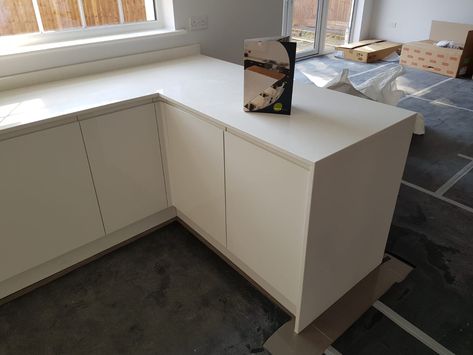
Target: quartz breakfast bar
[301,204]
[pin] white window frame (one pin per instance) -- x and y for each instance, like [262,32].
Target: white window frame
[83,33]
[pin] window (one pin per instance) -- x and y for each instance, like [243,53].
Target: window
[53,16]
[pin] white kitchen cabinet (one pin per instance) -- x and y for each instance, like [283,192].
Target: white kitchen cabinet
[125,159]
[312,232]
[267,200]
[47,200]
[310,196]
[194,152]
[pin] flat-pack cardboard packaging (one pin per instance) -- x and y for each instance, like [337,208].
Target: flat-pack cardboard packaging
[269,75]
[368,51]
[451,62]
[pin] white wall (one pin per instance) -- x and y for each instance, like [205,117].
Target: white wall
[413,17]
[230,22]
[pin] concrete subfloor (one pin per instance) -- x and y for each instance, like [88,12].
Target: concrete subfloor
[168,294]
[432,228]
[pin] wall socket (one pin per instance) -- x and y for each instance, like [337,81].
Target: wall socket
[198,23]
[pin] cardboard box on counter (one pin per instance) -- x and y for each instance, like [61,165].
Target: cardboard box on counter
[368,51]
[451,62]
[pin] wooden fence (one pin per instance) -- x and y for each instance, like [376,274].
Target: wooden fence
[305,13]
[18,16]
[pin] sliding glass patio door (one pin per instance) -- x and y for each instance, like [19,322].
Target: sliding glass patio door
[318,25]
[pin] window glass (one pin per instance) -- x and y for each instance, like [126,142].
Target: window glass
[17,16]
[101,12]
[32,16]
[134,10]
[338,23]
[59,14]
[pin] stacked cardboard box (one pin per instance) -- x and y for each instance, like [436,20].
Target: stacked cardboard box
[370,50]
[446,61]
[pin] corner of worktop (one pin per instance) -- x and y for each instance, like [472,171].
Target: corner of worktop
[18,130]
[116,106]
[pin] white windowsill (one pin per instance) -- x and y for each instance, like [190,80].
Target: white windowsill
[158,33]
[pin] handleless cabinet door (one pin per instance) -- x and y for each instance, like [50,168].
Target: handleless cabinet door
[48,205]
[194,152]
[266,213]
[125,158]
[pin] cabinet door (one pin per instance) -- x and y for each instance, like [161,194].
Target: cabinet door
[194,152]
[266,213]
[125,158]
[47,200]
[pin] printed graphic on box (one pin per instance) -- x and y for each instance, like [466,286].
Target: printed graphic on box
[269,75]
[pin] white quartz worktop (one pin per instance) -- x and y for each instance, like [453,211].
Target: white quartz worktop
[322,122]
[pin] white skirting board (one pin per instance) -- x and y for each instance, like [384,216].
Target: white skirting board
[47,272]
[31,278]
